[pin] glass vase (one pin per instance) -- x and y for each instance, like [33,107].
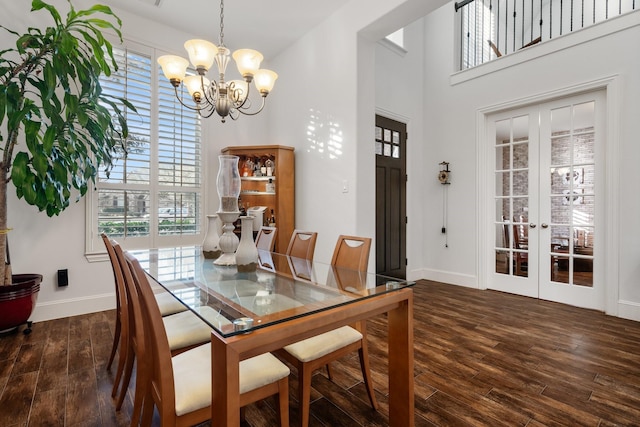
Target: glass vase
[228,184]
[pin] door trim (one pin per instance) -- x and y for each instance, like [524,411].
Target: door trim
[611,86]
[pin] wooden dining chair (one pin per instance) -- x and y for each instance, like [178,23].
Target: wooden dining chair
[180,386]
[184,330]
[521,258]
[266,238]
[308,355]
[168,303]
[302,244]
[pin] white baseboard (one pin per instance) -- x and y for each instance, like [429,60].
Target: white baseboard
[629,310]
[466,280]
[72,307]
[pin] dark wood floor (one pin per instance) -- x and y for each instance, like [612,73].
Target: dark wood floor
[482,358]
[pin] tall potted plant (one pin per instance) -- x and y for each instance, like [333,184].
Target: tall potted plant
[57,128]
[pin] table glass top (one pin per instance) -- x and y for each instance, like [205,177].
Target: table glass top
[282,288]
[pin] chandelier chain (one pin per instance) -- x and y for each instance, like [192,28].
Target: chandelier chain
[221,22]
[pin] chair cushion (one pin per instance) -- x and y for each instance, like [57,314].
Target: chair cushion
[260,371]
[186,329]
[192,376]
[315,347]
[169,304]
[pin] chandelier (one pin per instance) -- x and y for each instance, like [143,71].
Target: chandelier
[227,98]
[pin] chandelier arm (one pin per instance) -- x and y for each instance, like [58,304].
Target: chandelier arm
[209,94]
[211,109]
[247,105]
[246,98]
[179,98]
[264,98]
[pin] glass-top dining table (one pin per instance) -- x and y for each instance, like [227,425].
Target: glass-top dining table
[284,301]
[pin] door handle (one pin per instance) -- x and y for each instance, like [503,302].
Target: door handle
[532,225]
[543,225]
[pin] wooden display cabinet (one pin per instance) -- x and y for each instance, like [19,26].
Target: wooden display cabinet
[254,188]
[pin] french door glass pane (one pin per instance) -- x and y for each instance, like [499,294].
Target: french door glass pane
[512,195]
[572,194]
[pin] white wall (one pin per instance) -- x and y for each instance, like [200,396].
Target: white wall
[399,86]
[327,94]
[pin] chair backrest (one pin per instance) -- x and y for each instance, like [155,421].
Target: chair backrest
[505,232]
[352,252]
[123,310]
[302,244]
[154,336]
[117,272]
[266,239]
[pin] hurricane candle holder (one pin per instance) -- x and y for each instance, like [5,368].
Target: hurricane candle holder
[228,184]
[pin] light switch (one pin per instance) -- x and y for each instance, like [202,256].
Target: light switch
[345,186]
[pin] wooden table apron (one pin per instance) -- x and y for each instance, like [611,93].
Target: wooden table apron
[227,353]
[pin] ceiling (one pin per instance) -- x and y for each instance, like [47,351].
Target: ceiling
[267,26]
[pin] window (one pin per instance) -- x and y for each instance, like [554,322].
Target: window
[153,195]
[395,42]
[397,37]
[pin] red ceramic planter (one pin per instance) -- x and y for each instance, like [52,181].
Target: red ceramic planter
[17,301]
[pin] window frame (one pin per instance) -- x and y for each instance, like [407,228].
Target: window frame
[94,247]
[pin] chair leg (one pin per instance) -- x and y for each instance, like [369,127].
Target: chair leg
[142,396]
[147,411]
[116,341]
[366,374]
[304,393]
[283,400]
[123,355]
[329,373]
[126,379]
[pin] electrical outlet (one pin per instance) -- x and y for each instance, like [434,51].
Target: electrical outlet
[63,277]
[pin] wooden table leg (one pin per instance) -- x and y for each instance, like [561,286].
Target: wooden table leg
[225,384]
[401,397]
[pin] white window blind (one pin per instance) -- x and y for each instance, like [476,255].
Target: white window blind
[153,195]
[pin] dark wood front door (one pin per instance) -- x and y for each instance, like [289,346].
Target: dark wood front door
[391,190]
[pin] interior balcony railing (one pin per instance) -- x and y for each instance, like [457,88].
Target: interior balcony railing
[493,28]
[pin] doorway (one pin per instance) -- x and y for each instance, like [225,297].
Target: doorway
[391,189]
[545,162]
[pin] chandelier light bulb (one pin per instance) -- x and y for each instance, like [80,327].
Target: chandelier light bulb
[197,86]
[264,81]
[248,61]
[201,53]
[173,67]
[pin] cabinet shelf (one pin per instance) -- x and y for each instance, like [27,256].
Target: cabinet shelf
[257,193]
[257,178]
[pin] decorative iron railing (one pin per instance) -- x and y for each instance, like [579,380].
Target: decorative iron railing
[492,28]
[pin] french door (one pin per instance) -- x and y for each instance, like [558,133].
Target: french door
[545,165]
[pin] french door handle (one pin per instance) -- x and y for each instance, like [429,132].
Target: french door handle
[543,225]
[532,225]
